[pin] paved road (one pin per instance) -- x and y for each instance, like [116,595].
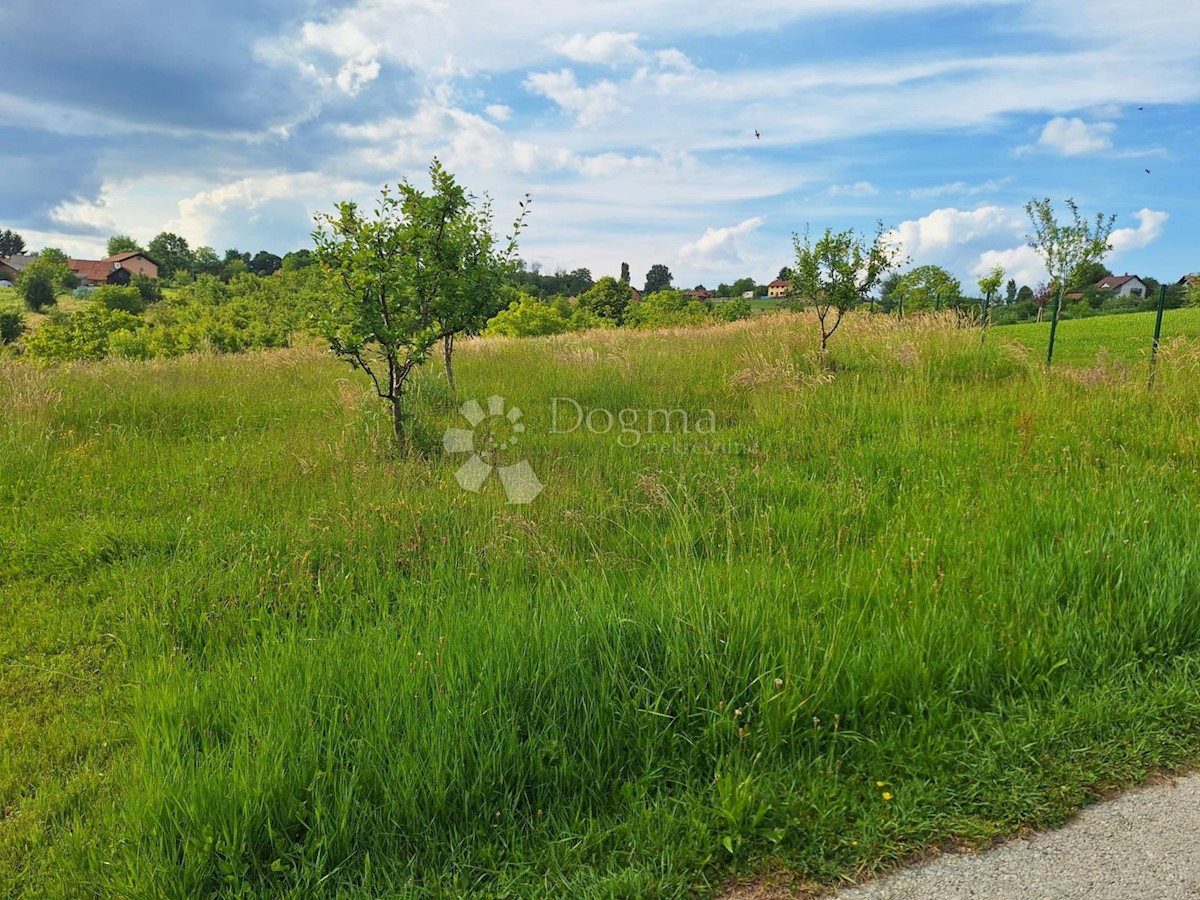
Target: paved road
[1143,845]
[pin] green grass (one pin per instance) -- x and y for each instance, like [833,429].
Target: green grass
[248,652]
[1120,339]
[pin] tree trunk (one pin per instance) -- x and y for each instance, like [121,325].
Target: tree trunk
[396,376]
[398,421]
[448,348]
[987,301]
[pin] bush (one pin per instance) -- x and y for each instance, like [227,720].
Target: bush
[528,317]
[12,326]
[82,335]
[38,285]
[128,344]
[128,299]
[148,287]
[667,309]
[731,310]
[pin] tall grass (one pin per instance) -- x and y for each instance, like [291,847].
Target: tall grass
[252,652]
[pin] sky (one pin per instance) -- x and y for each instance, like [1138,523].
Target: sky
[630,124]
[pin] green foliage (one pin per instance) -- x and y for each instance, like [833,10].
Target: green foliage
[265,263]
[624,273]
[206,262]
[658,279]
[296,260]
[1088,274]
[11,243]
[528,316]
[926,288]
[83,335]
[608,299]
[838,272]
[532,281]
[12,326]
[172,254]
[731,310]
[123,243]
[39,283]
[422,268]
[112,296]
[1193,290]
[667,309]
[149,288]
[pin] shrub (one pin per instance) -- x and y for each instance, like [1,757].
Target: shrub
[12,326]
[528,317]
[131,344]
[82,335]
[731,310]
[38,285]
[128,299]
[666,309]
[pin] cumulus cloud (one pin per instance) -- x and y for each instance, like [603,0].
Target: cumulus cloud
[717,247]
[499,112]
[607,47]
[948,227]
[858,189]
[591,105]
[1075,137]
[1022,264]
[1150,229]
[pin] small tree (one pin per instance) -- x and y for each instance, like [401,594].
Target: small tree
[1066,249]
[608,299]
[1041,297]
[989,286]
[1010,292]
[925,287]
[625,273]
[40,282]
[406,277]
[838,272]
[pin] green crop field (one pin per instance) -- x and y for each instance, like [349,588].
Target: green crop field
[928,593]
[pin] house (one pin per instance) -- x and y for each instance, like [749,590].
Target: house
[18,263]
[698,295]
[118,269]
[1123,285]
[7,272]
[1189,281]
[780,287]
[136,263]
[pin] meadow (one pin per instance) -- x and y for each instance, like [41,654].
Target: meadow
[927,593]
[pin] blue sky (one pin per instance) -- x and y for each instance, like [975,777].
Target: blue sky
[630,123]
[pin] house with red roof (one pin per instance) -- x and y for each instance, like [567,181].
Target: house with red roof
[118,269]
[1123,285]
[780,287]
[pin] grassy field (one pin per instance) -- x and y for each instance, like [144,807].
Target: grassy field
[933,593]
[1123,339]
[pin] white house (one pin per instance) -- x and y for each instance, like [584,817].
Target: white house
[1123,285]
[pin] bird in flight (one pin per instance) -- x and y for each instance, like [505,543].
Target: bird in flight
[1141,109]
[757,135]
[1147,171]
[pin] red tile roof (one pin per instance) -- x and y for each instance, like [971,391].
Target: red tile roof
[780,282]
[92,269]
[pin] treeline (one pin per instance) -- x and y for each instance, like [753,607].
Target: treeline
[178,263]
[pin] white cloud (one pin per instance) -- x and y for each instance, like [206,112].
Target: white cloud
[858,189]
[1075,137]
[1022,264]
[950,227]
[84,214]
[356,74]
[959,188]
[1150,229]
[608,47]
[591,105]
[717,248]
[499,112]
